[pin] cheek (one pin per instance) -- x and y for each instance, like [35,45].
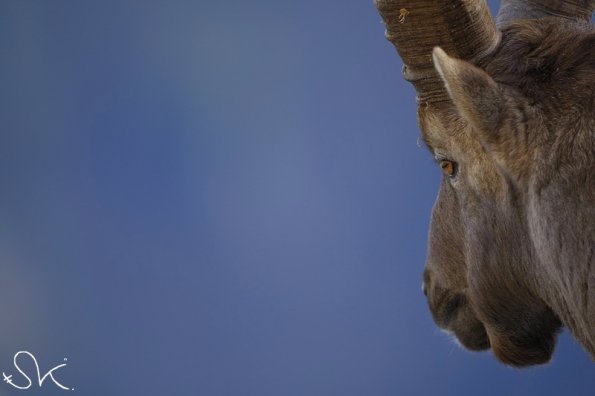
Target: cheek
[446,259]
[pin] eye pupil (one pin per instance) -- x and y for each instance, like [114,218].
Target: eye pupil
[448,167]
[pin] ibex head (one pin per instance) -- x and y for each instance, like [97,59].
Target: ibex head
[496,105]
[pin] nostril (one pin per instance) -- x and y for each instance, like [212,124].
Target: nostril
[425,281]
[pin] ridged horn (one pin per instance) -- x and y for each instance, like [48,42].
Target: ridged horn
[511,10]
[463,28]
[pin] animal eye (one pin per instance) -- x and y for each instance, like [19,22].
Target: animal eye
[449,168]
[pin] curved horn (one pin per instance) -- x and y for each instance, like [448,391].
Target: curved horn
[462,28]
[511,10]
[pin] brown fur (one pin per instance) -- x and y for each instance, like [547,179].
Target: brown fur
[511,247]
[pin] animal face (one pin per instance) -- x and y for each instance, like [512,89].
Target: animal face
[491,143]
[510,124]
[479,252]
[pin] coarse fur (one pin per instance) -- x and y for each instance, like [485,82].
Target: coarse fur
[511,247]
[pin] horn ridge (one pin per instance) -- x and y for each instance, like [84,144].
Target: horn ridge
[462,28]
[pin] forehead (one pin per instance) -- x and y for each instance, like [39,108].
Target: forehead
[441,127]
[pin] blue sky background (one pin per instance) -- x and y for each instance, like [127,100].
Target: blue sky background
[223,198]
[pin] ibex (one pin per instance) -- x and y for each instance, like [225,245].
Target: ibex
[506,108]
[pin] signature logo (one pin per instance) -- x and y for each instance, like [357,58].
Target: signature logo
[26,382]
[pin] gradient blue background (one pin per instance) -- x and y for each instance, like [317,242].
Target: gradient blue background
[223,198]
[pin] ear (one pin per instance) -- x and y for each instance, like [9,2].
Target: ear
[478,98]
[498,114]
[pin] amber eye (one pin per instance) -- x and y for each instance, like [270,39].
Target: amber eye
[449,168]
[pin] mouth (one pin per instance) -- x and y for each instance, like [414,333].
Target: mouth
[454,314]
[520,346]
[473,336]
